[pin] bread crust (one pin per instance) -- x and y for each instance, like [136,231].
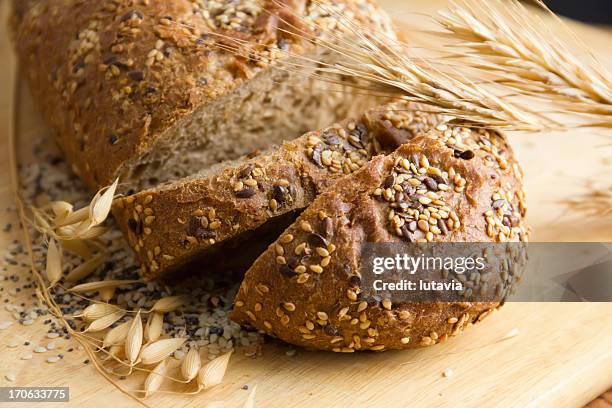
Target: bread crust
[177,222]
[113,77]
[305,288]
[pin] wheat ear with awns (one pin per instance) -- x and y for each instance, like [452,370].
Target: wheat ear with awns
[382,66]
[515,45]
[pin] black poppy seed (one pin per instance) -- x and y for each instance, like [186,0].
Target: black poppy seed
[113,139]
[389,181]
[467,155]
[354,281]
[246,192]
[286,271]
[136,75]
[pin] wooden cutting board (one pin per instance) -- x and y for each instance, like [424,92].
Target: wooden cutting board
[561,357]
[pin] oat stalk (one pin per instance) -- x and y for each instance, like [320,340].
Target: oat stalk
[516,46]
[108,348]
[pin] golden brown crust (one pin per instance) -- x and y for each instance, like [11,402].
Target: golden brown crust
[112,77]
[177,222]
[305,289]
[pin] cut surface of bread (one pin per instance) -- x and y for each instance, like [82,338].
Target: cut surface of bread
[148,92]
[449,185]
[184,220]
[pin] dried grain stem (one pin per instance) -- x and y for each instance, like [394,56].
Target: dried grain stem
[510,42]
[380,64]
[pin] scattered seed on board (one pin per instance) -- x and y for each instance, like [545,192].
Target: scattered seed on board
[5,325]
[250,401]
[448,372]
[10,377]
[53,359]
[26,356]
[40,349]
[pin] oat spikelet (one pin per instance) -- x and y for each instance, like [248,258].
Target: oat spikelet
[250,401]
[105,322]
[213,372]
[73,217]
[191,364]
[504,39]
[155,378]
[95,286]
[133,341]
[54,262]
[61,209]
[168,304]
[76,246]
[98,310]
[117,335]
[154,327]
[101,205]
[159,350]
[106,294]
[117,351]
[85,269]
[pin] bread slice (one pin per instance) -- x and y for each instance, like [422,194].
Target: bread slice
[306,288]
[142,90]
[213,211]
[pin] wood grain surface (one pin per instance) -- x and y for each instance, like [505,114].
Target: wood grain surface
[560,358]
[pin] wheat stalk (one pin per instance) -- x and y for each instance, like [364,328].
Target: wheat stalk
[382,66]
[524,54]
[384,62]
[594,201]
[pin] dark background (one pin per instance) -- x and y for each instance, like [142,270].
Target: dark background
[591,11]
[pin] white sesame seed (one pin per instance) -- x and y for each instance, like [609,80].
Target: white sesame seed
[40,349]
[5,325]
[10,377]
[26,356]
[448,372]
[50,345]
[53,359]
[52,335]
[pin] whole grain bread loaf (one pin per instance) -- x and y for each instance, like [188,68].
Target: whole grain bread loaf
[142,90]
[448,185]
[220,208]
